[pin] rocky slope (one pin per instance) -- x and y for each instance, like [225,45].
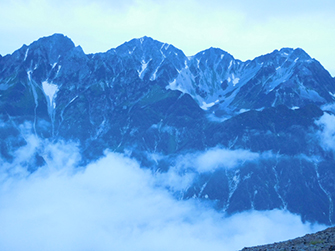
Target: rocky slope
[320,241]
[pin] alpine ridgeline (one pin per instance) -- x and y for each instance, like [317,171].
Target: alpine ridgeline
[253,135]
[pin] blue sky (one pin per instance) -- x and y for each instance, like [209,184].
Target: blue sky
[245,29]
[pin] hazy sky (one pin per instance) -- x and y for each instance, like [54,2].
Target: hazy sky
[245,29]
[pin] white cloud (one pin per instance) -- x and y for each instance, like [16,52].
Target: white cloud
[327,132]
[113,204]
[181,175]
[215,158]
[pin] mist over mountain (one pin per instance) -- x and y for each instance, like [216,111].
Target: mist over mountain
[238,136]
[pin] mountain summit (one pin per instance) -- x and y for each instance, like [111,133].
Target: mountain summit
[260,124]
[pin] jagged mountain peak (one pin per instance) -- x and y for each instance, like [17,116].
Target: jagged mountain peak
[147,40]
[300,54]
[283,55]
[285,51]
[288,52]
[54,39]
[146,48]
[50,48]
[211,52]
[213,56]
[139,43]
[151,58]
[56,42]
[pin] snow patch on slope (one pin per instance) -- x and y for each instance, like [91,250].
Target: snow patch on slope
[205,106]
[59,67]
[26,55]
[50,91]
[29,75]
[144,67]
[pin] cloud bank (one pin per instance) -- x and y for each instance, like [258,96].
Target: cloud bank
[113,204]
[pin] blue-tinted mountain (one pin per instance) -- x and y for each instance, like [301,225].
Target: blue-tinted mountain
[148,97]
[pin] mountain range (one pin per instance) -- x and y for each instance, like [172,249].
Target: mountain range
[253,134]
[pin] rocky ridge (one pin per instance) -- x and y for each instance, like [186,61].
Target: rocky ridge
[320,241]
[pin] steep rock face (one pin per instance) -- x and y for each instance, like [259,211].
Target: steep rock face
[148,97]
[290,77]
